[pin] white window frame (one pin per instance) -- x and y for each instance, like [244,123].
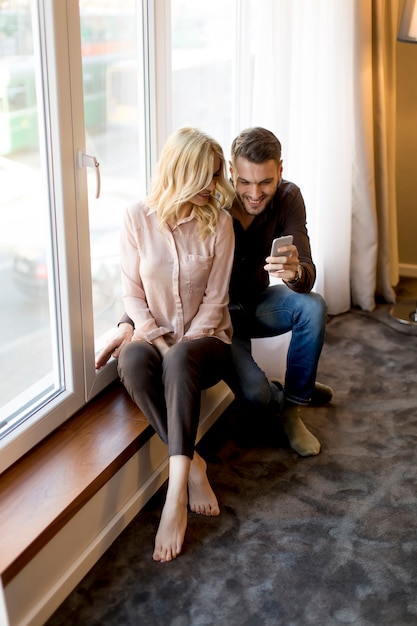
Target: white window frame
[60,34]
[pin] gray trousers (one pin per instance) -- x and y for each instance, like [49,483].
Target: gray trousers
[168,390]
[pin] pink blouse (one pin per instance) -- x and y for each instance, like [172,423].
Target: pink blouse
[173,283]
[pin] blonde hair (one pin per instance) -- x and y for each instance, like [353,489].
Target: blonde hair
[186,167]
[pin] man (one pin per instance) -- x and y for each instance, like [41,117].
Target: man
[267,206]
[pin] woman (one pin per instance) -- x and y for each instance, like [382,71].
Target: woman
[176,259]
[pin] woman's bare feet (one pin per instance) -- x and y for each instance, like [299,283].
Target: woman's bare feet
[173,524]
[201,496]
[171,532]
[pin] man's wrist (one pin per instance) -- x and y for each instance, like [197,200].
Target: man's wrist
[297,277]
[126,320]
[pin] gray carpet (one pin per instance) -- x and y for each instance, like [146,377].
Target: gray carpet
[325,540]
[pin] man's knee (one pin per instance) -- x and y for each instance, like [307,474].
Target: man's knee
[257,393]
[316,310]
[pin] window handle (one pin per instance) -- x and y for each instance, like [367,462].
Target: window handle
[87,160]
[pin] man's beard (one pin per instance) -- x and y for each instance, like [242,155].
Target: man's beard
[254,210]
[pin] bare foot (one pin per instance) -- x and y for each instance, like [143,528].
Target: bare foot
[300,438]
[200,494]
[171,532]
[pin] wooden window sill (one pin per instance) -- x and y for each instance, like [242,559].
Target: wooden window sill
[50,484]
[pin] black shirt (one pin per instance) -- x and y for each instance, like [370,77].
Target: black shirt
[285,215]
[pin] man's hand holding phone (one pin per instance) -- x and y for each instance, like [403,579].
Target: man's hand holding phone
[279,245]
[283,261]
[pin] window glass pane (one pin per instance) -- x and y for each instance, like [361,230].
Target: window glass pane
[203,44]
[110,39]
[29,318]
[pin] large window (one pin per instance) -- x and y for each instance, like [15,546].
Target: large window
[89,91]
[204,43]
[30,315]
[112,109]
[73,153]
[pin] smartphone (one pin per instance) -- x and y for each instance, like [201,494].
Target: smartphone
[278,243]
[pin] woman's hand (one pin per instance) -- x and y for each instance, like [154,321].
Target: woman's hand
[161,345]
[122,335]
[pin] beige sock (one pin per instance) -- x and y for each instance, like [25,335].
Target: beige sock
[300,438]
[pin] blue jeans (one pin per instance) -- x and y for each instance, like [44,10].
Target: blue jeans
[279,310]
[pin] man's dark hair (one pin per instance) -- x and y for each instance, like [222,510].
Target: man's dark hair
[256,145]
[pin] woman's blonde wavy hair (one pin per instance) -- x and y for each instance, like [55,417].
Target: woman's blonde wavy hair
[186,167]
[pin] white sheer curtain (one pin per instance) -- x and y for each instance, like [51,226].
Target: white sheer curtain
[319,73]
[300,86]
